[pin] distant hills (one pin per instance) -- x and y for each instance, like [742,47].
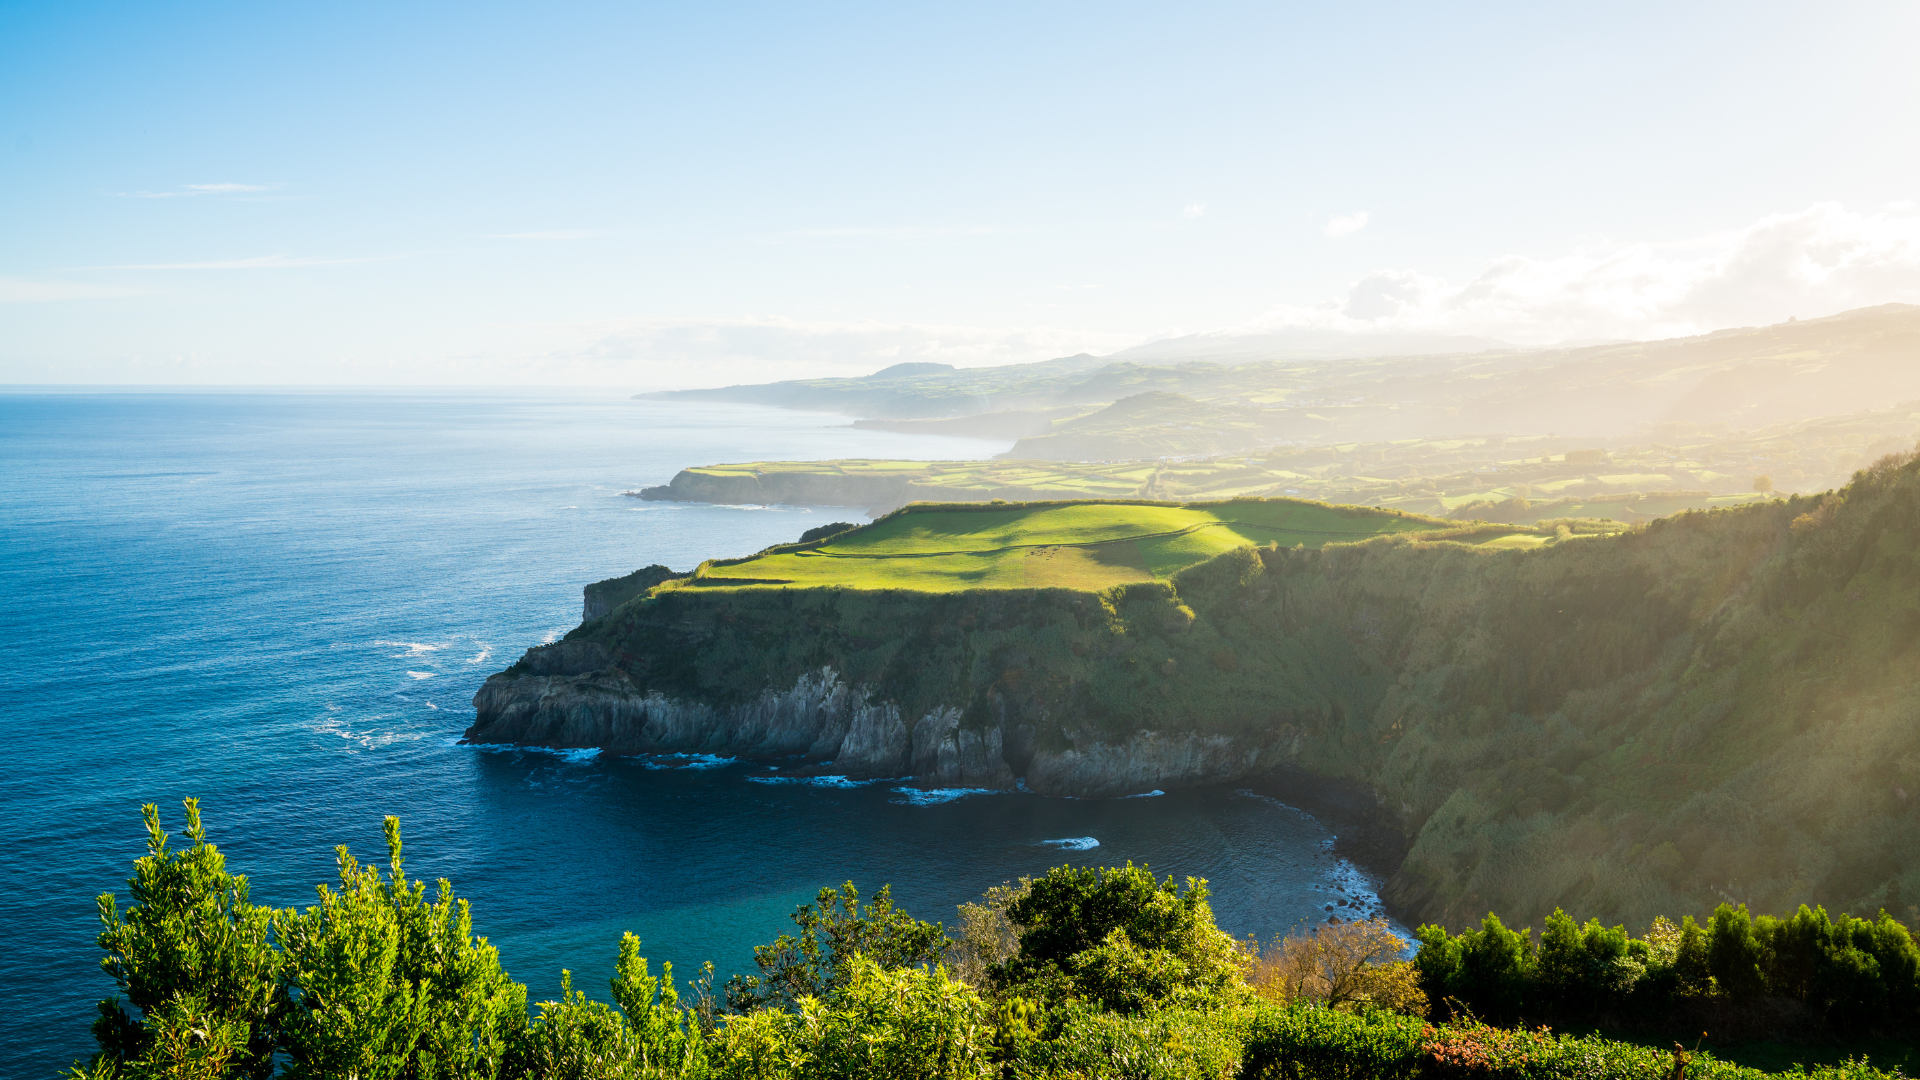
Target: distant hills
[1737,379]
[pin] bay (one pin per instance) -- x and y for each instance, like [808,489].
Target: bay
[282,603]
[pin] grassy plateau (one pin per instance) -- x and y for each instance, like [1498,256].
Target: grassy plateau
[1087,545]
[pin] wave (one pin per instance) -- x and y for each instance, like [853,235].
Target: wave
[687,761]
[414,648]
[420,674]
[1071,843]
[1145,794]
[935,796]
[818,781]
[578,756]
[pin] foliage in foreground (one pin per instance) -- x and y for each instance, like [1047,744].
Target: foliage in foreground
[1849,976]
[1080,973]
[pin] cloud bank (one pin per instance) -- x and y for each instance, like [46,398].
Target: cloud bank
[1814,262]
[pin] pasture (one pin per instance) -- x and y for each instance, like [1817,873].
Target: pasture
[1087,546]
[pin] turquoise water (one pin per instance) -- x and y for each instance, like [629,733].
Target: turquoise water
[283,604]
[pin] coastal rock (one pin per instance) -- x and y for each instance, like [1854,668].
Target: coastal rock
[1147,760]
[822,719]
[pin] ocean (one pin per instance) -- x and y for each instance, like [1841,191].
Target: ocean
[282,604]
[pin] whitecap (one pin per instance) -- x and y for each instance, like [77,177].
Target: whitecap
[688,761]
[576,756]
[420,674]
[935,796]
[1072,843]
[1145,794]
[414,648]
[816,781]
[485,651]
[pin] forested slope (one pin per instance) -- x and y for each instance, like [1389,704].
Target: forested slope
[1717,705]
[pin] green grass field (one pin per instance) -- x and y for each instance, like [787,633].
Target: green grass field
[1088,546]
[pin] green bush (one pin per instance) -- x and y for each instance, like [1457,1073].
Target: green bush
[1855,976]
[386,984]
[1116,975]
[1119,936]
[900,1024]
[1166,1044]
[1310,1042]
[192,956]
[834,930]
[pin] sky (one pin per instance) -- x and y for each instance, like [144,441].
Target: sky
[656,196]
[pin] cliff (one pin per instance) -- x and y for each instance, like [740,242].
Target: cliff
[1717,704]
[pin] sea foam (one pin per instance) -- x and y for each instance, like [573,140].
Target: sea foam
[935,796]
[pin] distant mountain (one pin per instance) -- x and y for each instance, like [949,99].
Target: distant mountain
[1742,379]
[1150,425]
[1304,344]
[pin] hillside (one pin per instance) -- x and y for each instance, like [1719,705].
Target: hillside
[1147,425]
[1518,480]
[1090,546]
[1743,378]
[1716,705]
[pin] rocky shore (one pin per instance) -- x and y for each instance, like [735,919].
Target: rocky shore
[572,694]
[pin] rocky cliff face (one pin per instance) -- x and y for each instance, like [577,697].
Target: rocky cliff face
[571,695]
[1617,726]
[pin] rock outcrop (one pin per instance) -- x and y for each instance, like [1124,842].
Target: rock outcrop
[570,695]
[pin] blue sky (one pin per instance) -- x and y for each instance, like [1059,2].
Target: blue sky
[654,195]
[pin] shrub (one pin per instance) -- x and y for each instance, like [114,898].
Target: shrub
[832,931]
[1121,936]
[880,1024]
[387,984]
[1167,1044]
[578,1039]
[195,958]
[1341,965]
[1311,1042]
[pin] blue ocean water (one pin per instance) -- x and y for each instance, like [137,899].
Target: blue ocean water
[283,604]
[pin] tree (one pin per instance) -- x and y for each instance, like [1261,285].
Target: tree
[1120,936]
[987,937]
[1763,484]
[195,958]
[832,931]
[1342,965]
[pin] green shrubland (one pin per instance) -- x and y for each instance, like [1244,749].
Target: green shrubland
[1716,706]
[1080,973]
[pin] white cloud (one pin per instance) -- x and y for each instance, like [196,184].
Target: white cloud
[189,191]
[1814,262]
[22,291]
[258,262]
[1194,210]
[556,234]
[1347,224]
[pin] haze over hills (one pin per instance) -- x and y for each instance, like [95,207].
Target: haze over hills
[1741,378]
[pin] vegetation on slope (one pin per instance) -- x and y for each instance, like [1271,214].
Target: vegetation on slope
[1717,705]
[1081,973]
[1518,479]
[1090,546]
